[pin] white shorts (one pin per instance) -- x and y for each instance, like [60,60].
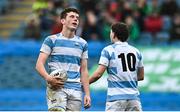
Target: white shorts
[124,105]
[64,99]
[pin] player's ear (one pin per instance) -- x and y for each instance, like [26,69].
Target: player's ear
[62,21]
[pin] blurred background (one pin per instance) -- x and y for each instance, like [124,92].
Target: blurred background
[154,29]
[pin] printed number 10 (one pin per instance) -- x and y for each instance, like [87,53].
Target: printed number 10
[131,61]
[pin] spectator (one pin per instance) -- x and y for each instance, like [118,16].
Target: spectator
[57,26]
[154,7]
[40,4]
[91,27]
[169,7]
[87,5]
[175,30]
[133,28]
[127,9]
[106,31]
[153,23]
[32,28]
[142,7]
[140,11]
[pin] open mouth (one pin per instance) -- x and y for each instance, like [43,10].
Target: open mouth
[75,24]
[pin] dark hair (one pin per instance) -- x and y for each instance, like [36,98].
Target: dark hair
[121,31]
[67,10]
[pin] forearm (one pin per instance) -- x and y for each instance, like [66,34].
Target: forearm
[85,82]
[140,78]
[140,74]
[97,74]
[94,77]
[41,70]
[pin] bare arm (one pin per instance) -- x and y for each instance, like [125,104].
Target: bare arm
[40,65]
[97,74]
[85,83]
[54,81]
[140,73]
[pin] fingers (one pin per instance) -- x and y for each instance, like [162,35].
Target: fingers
[56,83]
[87,102]
[58,78]
[59,84]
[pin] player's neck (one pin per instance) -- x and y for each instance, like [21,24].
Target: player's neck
[116,40]
[68,33]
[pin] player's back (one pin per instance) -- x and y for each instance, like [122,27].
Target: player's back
[124,61]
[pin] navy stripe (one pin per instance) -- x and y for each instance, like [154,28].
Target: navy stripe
[123,97]
[65,59]
[112,70]
[69,43]
[122,84]
[73,75]
[73,85]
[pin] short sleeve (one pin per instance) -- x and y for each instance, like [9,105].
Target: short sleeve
[104,58]
[140,58]
[85,52]
[47,46]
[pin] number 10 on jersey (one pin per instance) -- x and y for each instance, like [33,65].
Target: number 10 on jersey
[128,61]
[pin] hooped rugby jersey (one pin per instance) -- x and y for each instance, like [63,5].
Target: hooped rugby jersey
[66,53]
[122,61]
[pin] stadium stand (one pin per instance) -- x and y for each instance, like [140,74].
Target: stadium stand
[12,15]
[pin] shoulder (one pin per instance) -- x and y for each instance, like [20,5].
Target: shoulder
[53,37]
[136,50]
[132,48]
[80,39]
[108,48]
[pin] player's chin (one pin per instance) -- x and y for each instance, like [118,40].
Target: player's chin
[73,27]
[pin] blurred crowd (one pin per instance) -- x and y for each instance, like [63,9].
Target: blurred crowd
[151,20]
[6,6]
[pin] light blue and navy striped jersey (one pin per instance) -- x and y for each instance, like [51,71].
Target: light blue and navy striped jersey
[122,62]
[66,54]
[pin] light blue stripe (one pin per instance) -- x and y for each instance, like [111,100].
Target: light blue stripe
[65,59]
[48,42]
[122,84]
[73,85]
[58,34]
[123,97]
[73,75]
[114,45]
[85,47]
[139,56]
[112,70]
[113,56]
[69,44]
[105,54]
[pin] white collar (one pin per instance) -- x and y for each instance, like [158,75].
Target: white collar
[61,36]
[122,43]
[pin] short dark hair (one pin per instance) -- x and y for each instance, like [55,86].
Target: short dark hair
[121,31]
[67,10]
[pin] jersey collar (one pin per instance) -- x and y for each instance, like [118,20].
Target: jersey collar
[61,36]
[121,43]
